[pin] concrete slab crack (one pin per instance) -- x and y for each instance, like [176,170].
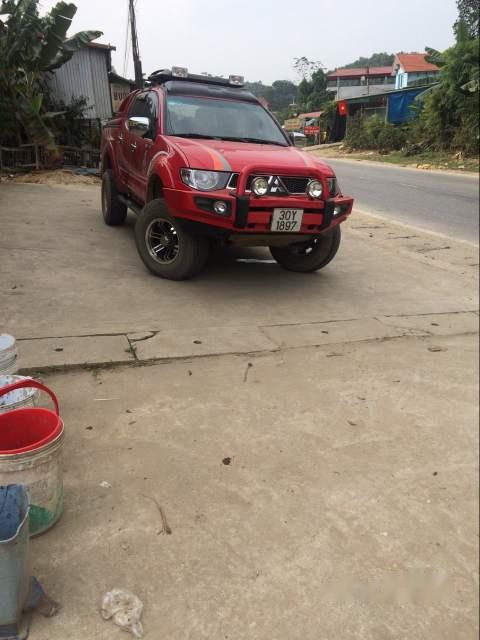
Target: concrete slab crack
[151,334]
[132,348]
[427,249]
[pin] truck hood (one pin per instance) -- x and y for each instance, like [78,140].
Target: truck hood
[223,155]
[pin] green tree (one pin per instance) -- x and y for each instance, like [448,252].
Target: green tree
[31,46]
[284,92]
[449,118]
[469,13]
[327,119]
[279,95]
[305,68]
[313,94]
[304,92]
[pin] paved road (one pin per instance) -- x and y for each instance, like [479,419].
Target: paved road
[444,203]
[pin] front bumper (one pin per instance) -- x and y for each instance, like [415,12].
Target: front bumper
[250,214]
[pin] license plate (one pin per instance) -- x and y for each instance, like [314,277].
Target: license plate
[287,220]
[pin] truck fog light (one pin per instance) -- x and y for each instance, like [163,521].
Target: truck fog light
[220,207]
[259,186]
[315,189]
[337,211]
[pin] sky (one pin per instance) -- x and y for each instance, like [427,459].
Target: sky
[260,38]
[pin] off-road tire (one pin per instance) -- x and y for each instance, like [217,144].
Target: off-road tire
[191,251]
[305,258]
[114,212]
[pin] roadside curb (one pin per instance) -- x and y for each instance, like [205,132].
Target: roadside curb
[411,227]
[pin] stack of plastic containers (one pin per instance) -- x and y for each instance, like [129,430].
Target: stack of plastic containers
[8,354]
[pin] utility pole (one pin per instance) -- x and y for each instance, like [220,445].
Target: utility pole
[137,63]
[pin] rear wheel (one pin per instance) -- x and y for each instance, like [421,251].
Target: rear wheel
[114,212]
[305,257]
[165,248]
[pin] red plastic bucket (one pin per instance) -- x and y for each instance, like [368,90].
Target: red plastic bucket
[31,440]
[27,429]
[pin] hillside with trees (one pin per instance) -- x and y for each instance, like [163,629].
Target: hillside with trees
[375,60]
[287,98]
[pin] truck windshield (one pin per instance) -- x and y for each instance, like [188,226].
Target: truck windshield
[191,117]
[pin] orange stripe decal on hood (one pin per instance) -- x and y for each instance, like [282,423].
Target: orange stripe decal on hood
[220,163]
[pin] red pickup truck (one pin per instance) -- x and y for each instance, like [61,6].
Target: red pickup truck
[200,160]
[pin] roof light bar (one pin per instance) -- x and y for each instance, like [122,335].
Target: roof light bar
[162,76]
[237,81]
[180,72]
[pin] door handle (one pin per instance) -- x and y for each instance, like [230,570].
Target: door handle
[120,139]
[133,146]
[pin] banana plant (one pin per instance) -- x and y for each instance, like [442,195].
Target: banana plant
[31,46]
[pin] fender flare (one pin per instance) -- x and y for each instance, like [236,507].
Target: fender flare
[159,176]
[109,160]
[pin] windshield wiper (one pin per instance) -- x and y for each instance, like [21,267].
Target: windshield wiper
[195,135]
[229,138]
[255,140]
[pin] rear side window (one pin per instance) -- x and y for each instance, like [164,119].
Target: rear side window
[145,105]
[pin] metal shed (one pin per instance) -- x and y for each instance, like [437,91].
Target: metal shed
[86,75]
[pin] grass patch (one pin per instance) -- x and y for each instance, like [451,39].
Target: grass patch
[424,160]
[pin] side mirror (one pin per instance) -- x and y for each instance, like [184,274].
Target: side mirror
[291,137]
[139,126]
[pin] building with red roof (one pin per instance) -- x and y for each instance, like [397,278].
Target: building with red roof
[411,69]
[353,83]
[408,69]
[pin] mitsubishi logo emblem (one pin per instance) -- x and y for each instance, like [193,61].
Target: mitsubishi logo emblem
[275,185]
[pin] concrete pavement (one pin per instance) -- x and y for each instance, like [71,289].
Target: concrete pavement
[432,200]
[313,440]
[65,274]
[346,509]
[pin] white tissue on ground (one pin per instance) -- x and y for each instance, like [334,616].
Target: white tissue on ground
[125,609]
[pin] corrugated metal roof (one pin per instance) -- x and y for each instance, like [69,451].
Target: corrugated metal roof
[385,94]
[85,75]
[362,71]
[99,45]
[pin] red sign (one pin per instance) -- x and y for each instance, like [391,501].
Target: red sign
[343,108]
[311,131]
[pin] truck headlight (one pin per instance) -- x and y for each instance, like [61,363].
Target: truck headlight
[205,180]
[315,189]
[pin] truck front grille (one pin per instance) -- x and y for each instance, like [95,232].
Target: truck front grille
[295,185]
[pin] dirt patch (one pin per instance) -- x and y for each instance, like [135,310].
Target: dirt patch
[56,176]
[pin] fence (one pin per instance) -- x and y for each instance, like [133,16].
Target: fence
[32,156]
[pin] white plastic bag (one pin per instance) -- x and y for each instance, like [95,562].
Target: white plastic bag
[125,609]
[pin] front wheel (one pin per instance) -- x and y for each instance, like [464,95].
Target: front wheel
[305,257]
[165,248]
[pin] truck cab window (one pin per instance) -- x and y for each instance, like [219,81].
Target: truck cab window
[145,105]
